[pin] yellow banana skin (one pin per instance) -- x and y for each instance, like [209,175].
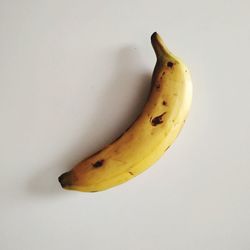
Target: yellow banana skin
[150,135]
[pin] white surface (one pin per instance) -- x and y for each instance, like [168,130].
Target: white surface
[73,75]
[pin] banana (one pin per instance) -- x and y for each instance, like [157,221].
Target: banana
[149,136]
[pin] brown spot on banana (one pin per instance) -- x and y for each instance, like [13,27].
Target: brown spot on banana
[157,85]
[162,75]
[157,120]
[98,164]
[170,64]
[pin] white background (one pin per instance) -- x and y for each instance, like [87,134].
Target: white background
[73,75]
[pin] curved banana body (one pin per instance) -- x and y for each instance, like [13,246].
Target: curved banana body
[149,136]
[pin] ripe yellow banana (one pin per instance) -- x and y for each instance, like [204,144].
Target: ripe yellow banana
[149,136]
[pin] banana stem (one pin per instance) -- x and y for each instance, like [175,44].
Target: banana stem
[159,46]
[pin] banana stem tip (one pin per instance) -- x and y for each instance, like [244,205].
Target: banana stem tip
[159,46]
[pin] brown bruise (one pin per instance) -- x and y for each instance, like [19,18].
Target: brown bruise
[170,64]
[164,103]
[157,120]
[158,85]
[163,73]
[98,164]
[131,173]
